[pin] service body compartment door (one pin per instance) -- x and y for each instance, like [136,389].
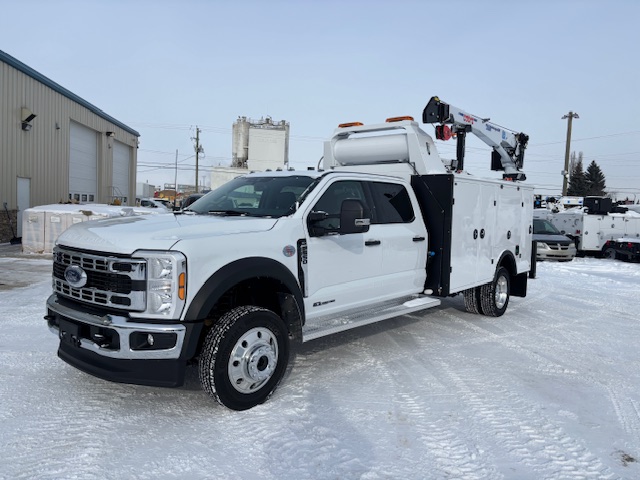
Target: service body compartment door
[472,233]
[510,220]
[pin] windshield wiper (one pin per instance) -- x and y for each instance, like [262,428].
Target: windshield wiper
[237,213]
[228,212]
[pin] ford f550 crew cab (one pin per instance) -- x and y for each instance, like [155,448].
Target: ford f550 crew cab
[274,258]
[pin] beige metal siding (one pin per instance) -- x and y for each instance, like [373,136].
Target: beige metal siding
[121,173]
[42,154]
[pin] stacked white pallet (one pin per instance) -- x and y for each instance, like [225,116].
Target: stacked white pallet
[42,225]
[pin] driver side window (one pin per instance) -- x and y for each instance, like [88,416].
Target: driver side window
[331,202]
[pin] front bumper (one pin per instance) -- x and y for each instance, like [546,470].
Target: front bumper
[114,348]
[555,252]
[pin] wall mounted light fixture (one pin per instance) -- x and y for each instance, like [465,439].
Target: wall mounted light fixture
[110,134]
[27,116]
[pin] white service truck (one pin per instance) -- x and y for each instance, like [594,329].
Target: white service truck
[269,259]
[594,224]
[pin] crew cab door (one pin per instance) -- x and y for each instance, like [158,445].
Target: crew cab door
[341,270]
[403,237]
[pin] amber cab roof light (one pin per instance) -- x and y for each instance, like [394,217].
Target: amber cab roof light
[350,124]
[398,119]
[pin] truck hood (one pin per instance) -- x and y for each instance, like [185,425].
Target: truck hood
[124,235]
[552,238]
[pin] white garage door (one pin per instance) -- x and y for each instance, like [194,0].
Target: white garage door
[121,163]
[83,164]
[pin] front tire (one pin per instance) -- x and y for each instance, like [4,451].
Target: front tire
[494,296]
[610,254]
[244,357]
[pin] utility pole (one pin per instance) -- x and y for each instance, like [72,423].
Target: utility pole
[197,153]
[175,184]
[565,173]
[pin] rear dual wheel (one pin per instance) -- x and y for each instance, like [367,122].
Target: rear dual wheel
[490,299]
[472,300]
[494,296]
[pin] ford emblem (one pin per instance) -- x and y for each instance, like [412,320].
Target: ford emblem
[75,276]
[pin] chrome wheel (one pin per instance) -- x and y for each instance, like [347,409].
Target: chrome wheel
[244,357]
[494,296]
[253,360]
[502,292]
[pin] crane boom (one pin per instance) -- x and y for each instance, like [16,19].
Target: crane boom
[507,147]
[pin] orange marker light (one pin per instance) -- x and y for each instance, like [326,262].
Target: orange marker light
[398,119]
[351,124]
[181,286]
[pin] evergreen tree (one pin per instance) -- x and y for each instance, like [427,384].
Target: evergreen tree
[595,180]
[577,181]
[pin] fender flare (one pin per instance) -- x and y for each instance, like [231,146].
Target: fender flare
[236,272]
[508,260]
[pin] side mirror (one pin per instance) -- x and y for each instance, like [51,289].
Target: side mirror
[317,216]
[313,219]
[353,218]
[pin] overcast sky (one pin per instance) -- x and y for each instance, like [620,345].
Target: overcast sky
[164,68]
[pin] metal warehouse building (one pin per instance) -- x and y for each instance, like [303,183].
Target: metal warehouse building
[56,147]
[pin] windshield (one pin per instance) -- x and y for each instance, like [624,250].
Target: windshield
[544,227]
[255,196]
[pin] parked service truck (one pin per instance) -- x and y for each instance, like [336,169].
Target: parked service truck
[593,225]
[271,259]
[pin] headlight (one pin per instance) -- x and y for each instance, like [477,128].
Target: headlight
[543,246]
[166,284]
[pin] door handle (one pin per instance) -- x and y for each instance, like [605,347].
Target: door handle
[418,239]
[370,243]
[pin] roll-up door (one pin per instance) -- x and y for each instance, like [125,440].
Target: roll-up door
[121,169]
[83,164]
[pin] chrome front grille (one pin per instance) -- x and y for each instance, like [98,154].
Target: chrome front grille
[111,281]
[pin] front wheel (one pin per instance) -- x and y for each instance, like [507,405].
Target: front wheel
[244,357]
[494,296]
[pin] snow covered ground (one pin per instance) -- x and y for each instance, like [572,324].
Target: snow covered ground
[550,390]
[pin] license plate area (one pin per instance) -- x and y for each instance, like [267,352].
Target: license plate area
[69,332]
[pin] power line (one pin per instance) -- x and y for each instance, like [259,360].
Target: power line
[634,132]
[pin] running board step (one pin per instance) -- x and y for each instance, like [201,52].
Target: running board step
[329,324]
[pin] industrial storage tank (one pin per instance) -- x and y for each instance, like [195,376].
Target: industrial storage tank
[260,145]
[240,147]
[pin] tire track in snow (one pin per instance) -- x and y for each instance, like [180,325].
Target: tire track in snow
[309,440]
[81,439]
[445,452]
[615,388]
[523,431]
[568,456]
